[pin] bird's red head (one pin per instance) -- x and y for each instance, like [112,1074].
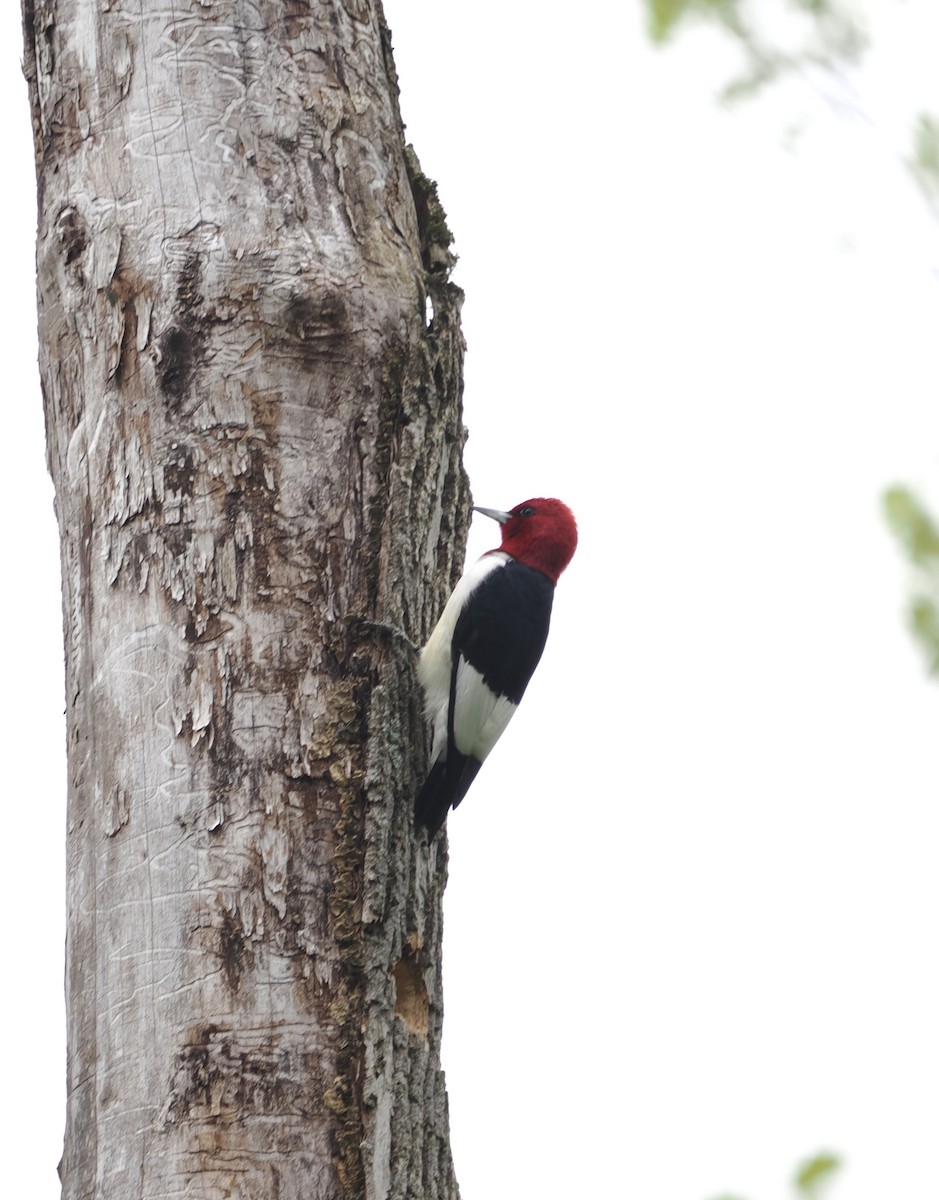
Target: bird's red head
[540,533]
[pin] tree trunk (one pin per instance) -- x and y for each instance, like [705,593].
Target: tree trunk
[255,437]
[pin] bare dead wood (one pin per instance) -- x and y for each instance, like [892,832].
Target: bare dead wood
[255,437]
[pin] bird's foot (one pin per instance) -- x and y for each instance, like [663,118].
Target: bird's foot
[391,630]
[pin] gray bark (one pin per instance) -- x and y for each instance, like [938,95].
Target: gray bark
[255,437]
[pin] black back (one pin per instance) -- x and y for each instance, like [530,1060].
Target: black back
[503,629]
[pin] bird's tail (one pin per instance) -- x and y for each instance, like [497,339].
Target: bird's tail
[445,786]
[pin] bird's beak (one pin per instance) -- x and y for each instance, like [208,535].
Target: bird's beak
[496,515]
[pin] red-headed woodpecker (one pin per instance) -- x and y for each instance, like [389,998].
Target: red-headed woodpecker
[486,645]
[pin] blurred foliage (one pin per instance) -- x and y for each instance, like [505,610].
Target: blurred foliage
[918,533]
[833,38]
[913,526]
[823,34]
[811,1177]
[925,161]
[666,15]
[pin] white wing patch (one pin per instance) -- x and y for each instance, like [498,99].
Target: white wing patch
[436,662]
[481,715]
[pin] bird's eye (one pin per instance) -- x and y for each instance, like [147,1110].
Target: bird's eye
[526,511]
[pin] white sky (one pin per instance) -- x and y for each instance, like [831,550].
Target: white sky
[691,919]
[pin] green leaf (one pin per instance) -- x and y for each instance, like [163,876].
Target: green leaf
[816,1172]
[924,162]
[912,525]
[666,15]
[926,144]
[924,621]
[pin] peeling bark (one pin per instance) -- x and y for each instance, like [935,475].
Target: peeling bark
[255,437]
